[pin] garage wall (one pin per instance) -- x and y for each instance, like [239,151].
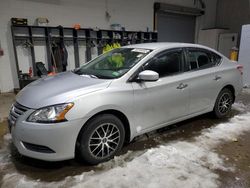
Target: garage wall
[233,14]
[133,14]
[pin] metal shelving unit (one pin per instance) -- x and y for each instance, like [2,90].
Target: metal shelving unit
[92,38]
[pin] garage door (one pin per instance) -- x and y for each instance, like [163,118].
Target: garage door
[175,27]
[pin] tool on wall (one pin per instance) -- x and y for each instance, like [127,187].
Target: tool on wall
[27,44]
[53,43]
[59,55]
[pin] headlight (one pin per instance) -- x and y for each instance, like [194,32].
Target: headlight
[51,114]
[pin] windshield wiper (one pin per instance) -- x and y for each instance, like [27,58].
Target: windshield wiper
[89,75]
[93,76]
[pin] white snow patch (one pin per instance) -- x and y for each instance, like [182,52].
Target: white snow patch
[246,91]
[4,152]
[223,132]
[240,107]
[178,164]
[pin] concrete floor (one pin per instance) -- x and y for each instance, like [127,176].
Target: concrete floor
[5,102]
[235,153]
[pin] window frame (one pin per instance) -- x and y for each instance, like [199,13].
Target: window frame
[141,68]
[187,61]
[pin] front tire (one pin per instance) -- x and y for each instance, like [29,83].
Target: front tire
[223,103]
[100,139]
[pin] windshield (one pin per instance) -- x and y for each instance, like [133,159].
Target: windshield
[113,64]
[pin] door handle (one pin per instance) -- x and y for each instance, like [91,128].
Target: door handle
[182,86]
[216,78]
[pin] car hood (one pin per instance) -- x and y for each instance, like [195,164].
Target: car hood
[57,89]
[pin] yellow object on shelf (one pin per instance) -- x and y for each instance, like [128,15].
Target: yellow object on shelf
[110,47]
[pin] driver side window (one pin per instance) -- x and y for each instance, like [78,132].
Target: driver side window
[166,64]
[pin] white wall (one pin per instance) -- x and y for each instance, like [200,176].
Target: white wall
[133,14]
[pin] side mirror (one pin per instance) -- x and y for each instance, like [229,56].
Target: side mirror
[148,75]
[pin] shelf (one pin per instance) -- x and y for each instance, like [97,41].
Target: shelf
[21,37]
[39,36]
[72,37]
[81,39]
[69,37]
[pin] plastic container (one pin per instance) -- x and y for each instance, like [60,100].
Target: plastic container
[116,27]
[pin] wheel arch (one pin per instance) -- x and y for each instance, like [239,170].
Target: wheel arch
[116,113]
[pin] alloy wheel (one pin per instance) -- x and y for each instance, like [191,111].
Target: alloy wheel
[225,103]
[104,140]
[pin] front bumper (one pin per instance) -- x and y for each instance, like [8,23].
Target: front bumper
[58,137]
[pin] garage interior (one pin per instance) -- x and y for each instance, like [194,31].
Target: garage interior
[201,152]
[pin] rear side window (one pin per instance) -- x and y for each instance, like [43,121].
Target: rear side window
[200,59]
[166,64]
[215,58]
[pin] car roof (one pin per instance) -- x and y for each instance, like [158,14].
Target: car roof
[164,45]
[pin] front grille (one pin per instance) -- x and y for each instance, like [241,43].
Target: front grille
[37,148]
[16,111]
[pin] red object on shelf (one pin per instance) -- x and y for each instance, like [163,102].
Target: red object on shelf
[77,26]
[30,72]
[53,72]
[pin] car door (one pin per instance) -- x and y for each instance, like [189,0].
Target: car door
[201,79]
[166,99]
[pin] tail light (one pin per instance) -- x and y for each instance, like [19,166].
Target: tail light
[240,68]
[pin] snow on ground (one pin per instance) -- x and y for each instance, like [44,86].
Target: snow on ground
[239,106]
[4,153]
[178,164]
[246,90]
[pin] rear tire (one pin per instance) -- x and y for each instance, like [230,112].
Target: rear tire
[223,103]
[101,139]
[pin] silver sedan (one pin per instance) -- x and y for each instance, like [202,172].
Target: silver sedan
[90,112]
